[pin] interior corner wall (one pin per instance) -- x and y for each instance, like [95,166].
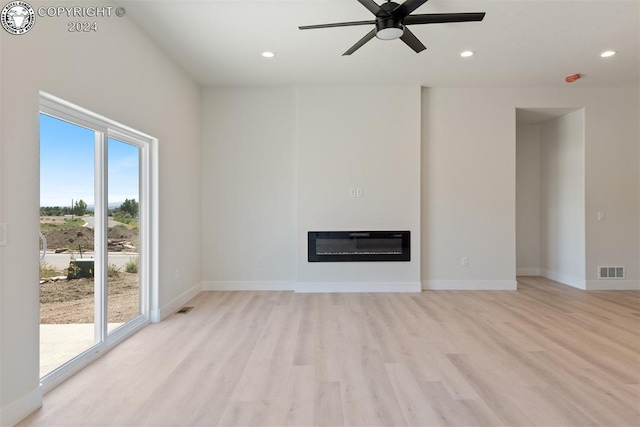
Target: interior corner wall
[248,194]
[343,143]
[468,188]
[119,73]
[528,200]
[562,195]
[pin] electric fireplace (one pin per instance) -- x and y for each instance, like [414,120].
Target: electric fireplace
[356,246]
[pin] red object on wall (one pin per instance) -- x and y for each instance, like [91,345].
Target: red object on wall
[572,78]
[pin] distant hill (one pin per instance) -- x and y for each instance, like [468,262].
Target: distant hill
[112,205]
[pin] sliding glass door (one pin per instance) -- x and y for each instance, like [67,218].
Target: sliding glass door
[94,222]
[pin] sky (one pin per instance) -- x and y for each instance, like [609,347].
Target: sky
[67,165]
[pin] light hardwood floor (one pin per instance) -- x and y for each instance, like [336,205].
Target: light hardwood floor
[545,355]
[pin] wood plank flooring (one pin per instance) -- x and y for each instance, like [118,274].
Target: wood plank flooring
[545,355]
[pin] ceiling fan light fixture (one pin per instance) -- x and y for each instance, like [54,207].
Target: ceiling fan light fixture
[390,33]
[389,29]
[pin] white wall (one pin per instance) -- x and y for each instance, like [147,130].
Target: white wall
[358,137]
[119,73]
[611,182]
[280,162]
[562,199]
[467,186]
[468,197]
[248,192]
[528,200]
[2,220]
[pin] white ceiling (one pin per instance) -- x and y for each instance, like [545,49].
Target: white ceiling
[526,43]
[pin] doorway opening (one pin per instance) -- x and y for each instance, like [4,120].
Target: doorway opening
[550,194]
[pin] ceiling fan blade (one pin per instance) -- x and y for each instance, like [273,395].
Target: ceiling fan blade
[371,34]
[412,41]
[337,24]
[407,7]
[442,18]
[374,7]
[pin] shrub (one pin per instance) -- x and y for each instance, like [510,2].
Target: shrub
[113,270]
[132,265]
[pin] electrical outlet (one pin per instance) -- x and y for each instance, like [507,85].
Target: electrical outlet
[352,192]
[601,216]
[464,261]
[359,192]
[259,262]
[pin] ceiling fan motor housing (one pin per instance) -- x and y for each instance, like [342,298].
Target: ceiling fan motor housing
[389,28]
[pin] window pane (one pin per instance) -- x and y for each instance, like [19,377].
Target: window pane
[123,282]
[67,306]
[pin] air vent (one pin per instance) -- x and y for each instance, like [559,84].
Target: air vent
[184,310]
[611,272]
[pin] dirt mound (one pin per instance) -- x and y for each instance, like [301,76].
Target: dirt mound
[119,238]
[123,233]
[70,238]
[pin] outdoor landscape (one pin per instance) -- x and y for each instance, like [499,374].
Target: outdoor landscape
[70,309]
[67,283]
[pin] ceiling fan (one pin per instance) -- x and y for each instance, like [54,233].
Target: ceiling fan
[392,20]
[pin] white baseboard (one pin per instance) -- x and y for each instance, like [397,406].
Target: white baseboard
[307,287]
[157,315]
[470,285]
[527,271]
[342,287]
[256,285]
[19,409]
[613,285]
[565,279]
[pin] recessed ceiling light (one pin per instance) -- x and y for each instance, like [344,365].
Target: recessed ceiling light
[608,53]
[466,53]
[268,54]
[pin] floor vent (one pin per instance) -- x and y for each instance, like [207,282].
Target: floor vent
[611,272]
[184,310]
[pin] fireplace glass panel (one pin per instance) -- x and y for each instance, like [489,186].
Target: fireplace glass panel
[351,246]
[358,246]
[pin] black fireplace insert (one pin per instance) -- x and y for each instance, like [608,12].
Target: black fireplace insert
[356,246]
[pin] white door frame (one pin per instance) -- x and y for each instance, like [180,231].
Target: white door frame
[104,129]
